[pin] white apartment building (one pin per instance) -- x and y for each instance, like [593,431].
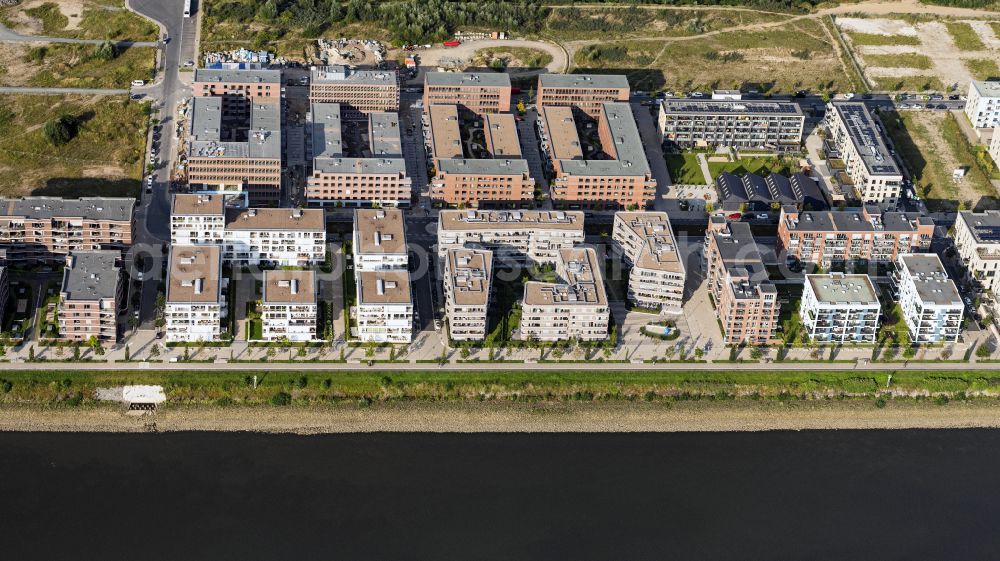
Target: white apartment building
[288,310]
[532,236]
[977,239]
[286,237]
[384,311]
[839,308]
[931,304]
[871,172]
[385,306]
[379,240]
[195,306]
[575,306]
[994,149]
[982,105]
[468,281]
[656,278]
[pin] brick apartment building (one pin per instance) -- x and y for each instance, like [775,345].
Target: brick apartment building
[745,299]
[619,178]
[45,229]
[233,155]
[585,92]
[238,87]
[851,236]
[475,92]
[357,92]
[92,289]
[377,177]
[500,175]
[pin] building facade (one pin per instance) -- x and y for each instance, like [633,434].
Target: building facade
[932,306]
[977,239]
[357,92]
[982,105]
[468,283]
[657,273]
[586,92]
[92,288]
[239,87]
[375,177]
[521,236]
[45,229]
[744,297]
[288,309]
[839,308]
[745,124]
[870,170]
[195,305]
[475,92]
[228,153]
[384,311]
[285,237]
[851,236]
[620,177]
[573,307]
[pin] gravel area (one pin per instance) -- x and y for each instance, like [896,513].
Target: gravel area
[477,417]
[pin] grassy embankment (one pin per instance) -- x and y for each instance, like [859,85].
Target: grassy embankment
[104,158]
[225,387]
[99,19]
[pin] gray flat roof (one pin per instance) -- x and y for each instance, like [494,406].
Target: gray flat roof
[326,130]
[866,138]
[931,280]
[385,140]
[369,166]
[252,76]
[93,275]
[986,88]
[730,107]
[486,79]
[838,288]
[609,81]
[631,158]
[343,74]
[985,226]
[483,167]
[206,129]
[88,208]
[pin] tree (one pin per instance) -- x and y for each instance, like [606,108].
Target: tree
[128,353]
[76,351]
[187,354]
[756,353]
[105,51]
[521,109]
[31,353]
[984,350]
[61,130]
[269,11]
[95,344]
[155,351]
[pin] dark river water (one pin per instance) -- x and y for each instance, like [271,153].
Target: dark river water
[780,495]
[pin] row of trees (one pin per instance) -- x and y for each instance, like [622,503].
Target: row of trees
[408,21]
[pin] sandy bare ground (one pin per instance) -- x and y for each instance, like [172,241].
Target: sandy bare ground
[476,417]
[72,9]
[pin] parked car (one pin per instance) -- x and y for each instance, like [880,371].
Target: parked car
[138,83]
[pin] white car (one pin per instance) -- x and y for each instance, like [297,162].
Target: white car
[138,83]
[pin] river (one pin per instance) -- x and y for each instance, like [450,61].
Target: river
[773,495]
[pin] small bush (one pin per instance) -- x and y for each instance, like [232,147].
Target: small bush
[303,382]
[7,386]
[281,399]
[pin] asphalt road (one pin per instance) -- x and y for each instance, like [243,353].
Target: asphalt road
[61,91]
[153,220]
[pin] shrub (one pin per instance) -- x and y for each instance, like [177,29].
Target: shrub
[105,51]
[7,386]
[61,130]
[303,381]
[281,399]
[36,54]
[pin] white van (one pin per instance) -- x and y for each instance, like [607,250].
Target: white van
[138,83]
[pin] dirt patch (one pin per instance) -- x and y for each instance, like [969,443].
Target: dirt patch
[877,26]
[72,9]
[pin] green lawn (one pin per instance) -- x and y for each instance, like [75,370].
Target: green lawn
[902,60]
[103,159]
[760,166]
[48,386]
[965,38]
[908,84]
[684,169]
[864,39]
[982,68]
